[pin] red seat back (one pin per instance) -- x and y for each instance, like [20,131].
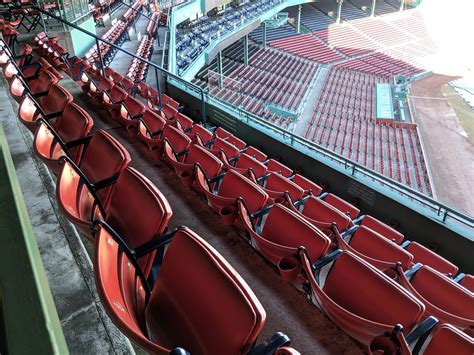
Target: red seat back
[56,100]
[320,211]
[203,133]
[279,184]
[254,152]
[375,246]
[153,121]
[448,340]
[443,292]
[208,162]
[425,256]
[370,294]
[247,162]
[342,205]
[307,185]
[382,228]
[229,149]
[286,228]
[104,158]
[181,311]
[178,140]
[138,211]
[235,185]
[277,167]
[468,282]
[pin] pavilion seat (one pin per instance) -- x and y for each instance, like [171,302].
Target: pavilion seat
[184,165]
[374,248]
[36,87]
[182,122]
[442,296]
[48,107]
[430,338]
[279,232]
[112,100]
[321,214]
[97,89]
[360,299]
[245,165]
[277,167]
[220,145]
[169,314]
[468,282]
[200,134]
[307,185]
[169,111]
[257,154]
[277,186]
[128,114]
[425,256]
[178,141]
[222,193]
[64,138]
[138,211]
[150,128]
[381,228]
[341,205]
[166,100]
[447,340]
[240,144]
[84,190]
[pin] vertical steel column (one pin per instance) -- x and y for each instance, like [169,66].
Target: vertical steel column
[298,20]
[372,10]
[158,86]
[339,11]
[246,50]
[219,69]
[102,66]
[402,5]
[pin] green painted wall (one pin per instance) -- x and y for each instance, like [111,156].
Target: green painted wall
[80,41]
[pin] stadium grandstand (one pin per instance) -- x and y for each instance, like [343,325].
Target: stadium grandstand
[236,177]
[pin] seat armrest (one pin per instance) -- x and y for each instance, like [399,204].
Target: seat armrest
[268,347]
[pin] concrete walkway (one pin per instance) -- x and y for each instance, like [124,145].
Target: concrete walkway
[86,327]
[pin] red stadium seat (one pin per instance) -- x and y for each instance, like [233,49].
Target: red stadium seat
[437,339]
[52,142]
[178,141]
[277,186]
[307,185]
[138,211]
[375,249]
[223,193]
[425,256]
[382,228]
[36,87]
[128,114]
[322,214]
[171,312]
[49,106]
[220,145]
[112,100]
[245,165]
[342,205]
[468,282]
[200,134]
[195,155]
[444,298]
[277,167]
[257,154]
[83,190]
[360,299]
[279,236]
[150,128]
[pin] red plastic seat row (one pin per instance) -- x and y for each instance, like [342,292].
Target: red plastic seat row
[167,314]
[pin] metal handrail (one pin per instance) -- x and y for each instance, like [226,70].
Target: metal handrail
[157,68]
